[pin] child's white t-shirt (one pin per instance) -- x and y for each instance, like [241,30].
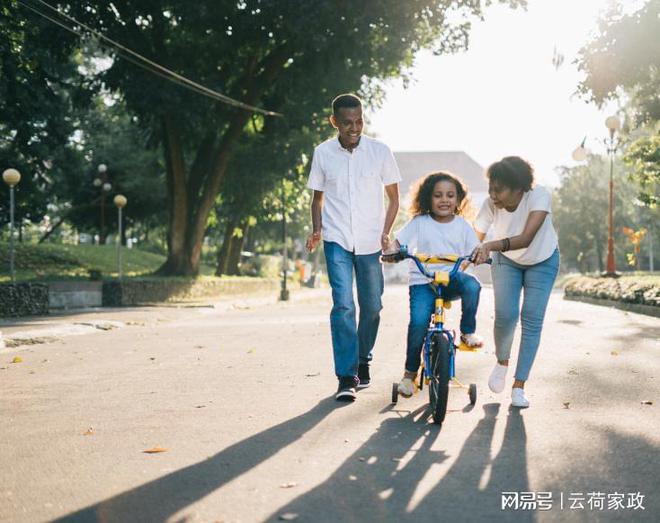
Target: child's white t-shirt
[425,235]
[506,224]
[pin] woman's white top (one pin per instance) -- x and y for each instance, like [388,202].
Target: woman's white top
[505,224]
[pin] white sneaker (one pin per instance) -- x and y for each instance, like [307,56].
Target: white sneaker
[518,398]
[498,377]
[406,387]
[473,340]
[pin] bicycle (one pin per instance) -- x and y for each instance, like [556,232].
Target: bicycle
[438,364]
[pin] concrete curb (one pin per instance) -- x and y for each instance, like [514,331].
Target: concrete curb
[648,310]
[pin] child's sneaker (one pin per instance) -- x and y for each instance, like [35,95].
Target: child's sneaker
[518,398]
[406,387]
[473,340]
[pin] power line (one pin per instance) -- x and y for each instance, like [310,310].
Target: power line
[143,62]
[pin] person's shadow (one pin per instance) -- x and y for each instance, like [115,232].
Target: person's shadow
[165,496]
[380,481]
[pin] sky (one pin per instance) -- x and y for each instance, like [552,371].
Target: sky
[503,96]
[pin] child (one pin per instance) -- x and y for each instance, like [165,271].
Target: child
[437,227]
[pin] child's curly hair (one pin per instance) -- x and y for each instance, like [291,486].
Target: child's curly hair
[423,191]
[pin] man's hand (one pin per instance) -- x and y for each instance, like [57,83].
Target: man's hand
[313,241]
[385,242]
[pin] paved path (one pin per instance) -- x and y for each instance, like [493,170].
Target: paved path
[241,399]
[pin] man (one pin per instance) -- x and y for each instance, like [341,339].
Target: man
[348,175]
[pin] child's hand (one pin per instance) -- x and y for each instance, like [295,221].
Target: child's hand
[385,242]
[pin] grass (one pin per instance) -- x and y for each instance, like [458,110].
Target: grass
[63,262]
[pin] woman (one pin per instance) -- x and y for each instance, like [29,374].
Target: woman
[525,258]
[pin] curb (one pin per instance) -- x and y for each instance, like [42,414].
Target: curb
[648,310]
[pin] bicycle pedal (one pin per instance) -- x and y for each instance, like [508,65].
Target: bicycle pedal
[466,348]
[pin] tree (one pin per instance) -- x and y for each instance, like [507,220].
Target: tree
[39,87]
[278,54]
[580,214]
[625,56]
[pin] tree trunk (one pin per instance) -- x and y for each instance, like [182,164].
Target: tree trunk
[223,252]
[599,255]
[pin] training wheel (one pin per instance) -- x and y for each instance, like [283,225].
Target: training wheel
[472,392]
[395,392]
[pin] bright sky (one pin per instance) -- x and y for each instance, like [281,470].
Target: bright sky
[503,96]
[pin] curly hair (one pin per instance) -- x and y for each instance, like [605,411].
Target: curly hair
[423,191]
[512,172]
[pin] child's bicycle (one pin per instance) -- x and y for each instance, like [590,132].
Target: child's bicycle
[439,345]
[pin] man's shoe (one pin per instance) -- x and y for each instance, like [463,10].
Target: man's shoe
[347,388]
[363,376]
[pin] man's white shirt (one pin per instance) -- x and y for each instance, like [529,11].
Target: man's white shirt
[353,187]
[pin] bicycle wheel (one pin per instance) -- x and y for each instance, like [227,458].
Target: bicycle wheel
[439,383]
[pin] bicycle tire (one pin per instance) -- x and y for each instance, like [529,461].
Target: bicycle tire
[439,383]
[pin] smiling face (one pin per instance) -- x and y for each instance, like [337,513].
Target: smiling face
[348,122]
[444,200]
[504,197]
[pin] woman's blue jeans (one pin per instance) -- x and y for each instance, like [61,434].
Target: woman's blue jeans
[535,282]
[422,305]
[353,343]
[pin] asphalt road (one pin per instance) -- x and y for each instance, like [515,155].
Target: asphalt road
[240,401]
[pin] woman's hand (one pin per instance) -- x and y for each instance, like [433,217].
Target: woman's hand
[385,242]
[481,253]
[313,241]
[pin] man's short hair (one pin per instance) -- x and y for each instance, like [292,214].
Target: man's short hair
[347,100]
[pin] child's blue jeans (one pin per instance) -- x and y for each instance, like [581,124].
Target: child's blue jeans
[422,304]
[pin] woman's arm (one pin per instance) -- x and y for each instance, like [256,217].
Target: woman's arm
[522,240]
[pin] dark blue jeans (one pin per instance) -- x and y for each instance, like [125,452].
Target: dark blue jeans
[353,343]
[422,304]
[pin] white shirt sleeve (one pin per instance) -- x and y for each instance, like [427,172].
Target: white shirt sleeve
[407,235]
[485,217]
[540,200]
[316,179]
[389,173]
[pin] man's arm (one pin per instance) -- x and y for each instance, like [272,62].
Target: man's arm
[317,208]
[392,192]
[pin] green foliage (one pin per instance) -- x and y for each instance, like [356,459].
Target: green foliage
[580,214]
[39,87]
[625,54]
[643,158]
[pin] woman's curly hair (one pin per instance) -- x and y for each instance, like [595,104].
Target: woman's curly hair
[423,191]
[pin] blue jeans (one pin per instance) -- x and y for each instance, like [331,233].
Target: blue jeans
[351,343]
[422,305]
[536,282]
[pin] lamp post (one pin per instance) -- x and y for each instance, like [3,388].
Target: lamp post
[11,178]
[102,182]
[613,124]
[120,201]
[284,293]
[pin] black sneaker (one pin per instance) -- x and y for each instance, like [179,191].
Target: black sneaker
[363,375]
[347,388]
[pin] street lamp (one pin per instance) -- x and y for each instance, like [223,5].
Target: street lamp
[120,201]
[613,124]
[580,153]
[284,293]
[102,182]
[11,178]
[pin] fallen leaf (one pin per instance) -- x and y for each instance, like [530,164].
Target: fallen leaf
[250,351]
[17,359]
[89,432]
[288,516]
[312,375]
[291,484]
[154,450]
[567,404]
[362,459]
[647,402]
[200,406]
[352,477]
[614,353]
[152,359]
